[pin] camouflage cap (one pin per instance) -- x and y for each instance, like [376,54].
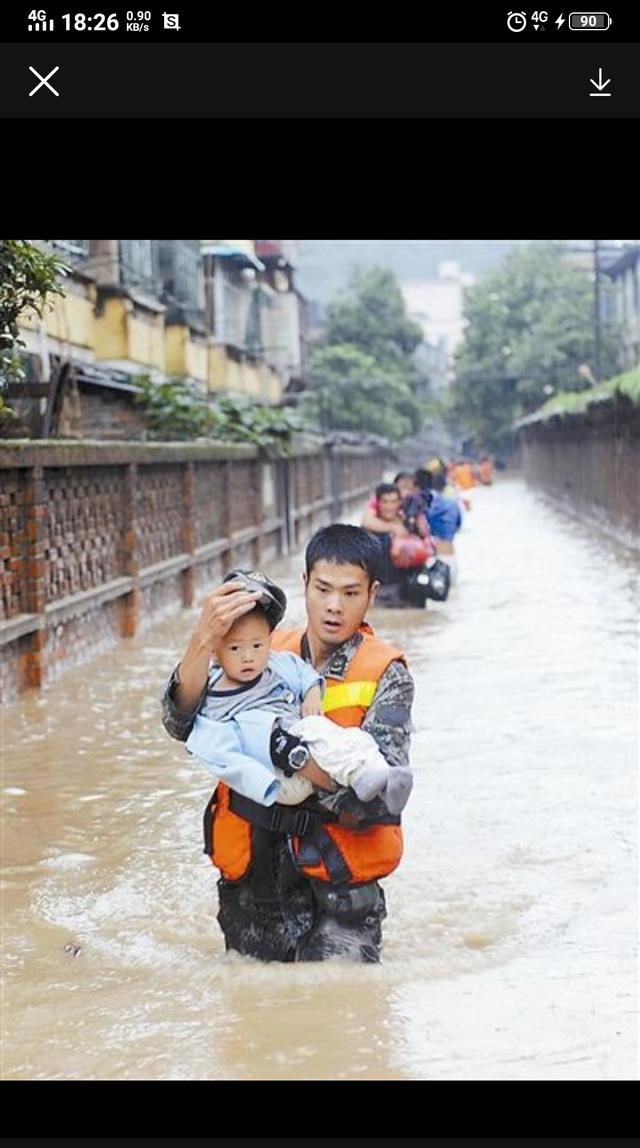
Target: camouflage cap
[273,600]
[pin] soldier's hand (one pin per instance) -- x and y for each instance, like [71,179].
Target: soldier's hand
[317,776]
[221,609]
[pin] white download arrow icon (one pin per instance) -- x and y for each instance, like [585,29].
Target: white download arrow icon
[599,84]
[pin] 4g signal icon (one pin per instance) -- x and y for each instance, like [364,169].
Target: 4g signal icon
[517,21]
[40,22]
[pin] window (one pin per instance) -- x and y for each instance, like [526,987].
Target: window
[136,263]
[178,263]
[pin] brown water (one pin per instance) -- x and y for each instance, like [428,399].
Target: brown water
[511,941]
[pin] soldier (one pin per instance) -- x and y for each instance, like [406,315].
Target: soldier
[302,883]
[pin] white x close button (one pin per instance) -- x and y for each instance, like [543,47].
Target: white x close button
[43,80]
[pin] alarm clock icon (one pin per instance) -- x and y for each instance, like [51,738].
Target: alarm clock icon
[516,21]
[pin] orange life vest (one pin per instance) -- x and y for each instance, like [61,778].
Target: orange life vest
[349,854]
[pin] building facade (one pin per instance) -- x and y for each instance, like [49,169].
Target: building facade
[210,313]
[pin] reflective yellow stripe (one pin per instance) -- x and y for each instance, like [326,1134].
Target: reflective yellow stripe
[348,694]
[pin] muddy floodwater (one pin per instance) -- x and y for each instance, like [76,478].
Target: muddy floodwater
[511,942]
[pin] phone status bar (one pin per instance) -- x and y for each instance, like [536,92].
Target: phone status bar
[195,22]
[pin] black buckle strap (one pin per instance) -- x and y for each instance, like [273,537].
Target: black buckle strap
[277,818]
[295,819]
[289,820]
[207,823]
[335,863]
[368,822]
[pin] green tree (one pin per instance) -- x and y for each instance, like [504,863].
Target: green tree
[529,332]
[28,276]
[374,317]
[352,391]
[363,376]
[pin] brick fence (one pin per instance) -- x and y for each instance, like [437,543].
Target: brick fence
[98,539]
[590,463]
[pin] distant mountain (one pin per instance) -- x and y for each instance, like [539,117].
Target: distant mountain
[325,265]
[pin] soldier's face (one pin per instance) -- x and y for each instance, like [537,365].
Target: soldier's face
[337,598]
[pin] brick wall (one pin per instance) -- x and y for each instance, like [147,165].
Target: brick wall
[159,600]
[99,539]
[13,554]
[99,413]
[82,528]
[208,505]
[79,639]
[158,513]
[590,462]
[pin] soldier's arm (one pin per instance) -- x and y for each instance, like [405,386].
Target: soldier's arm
[388,720]
[176,720]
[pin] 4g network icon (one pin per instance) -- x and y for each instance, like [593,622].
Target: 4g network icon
[517,21]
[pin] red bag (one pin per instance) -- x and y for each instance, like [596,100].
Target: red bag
[405,553]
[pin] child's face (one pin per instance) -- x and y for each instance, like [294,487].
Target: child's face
[244,651]
[406,486]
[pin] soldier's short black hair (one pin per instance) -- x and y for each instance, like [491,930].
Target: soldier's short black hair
[348,546]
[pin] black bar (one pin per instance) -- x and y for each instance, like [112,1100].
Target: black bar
[479,22]
[236,81]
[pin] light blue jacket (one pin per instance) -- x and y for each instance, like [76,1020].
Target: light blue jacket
[236,748]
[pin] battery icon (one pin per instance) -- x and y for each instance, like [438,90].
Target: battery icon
[589,21]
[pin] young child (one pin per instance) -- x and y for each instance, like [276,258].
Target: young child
[260,719]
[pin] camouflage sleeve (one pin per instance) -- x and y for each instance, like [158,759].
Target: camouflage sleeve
[388,721]
[388,718]
[176,722]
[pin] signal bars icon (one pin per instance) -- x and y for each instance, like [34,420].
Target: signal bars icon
[41,26]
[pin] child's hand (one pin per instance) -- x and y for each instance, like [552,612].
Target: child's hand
[312,703]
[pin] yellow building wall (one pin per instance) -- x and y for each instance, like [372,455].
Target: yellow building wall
[146,340]
[258,380]
[225,374]
[121,333]
[233,376]
[196,360]
[252,381]
[183,356]
[71,320]
[217,362]
[111,331]
[274,388]
[176,338]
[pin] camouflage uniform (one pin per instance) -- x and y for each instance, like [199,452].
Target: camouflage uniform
[277,913]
